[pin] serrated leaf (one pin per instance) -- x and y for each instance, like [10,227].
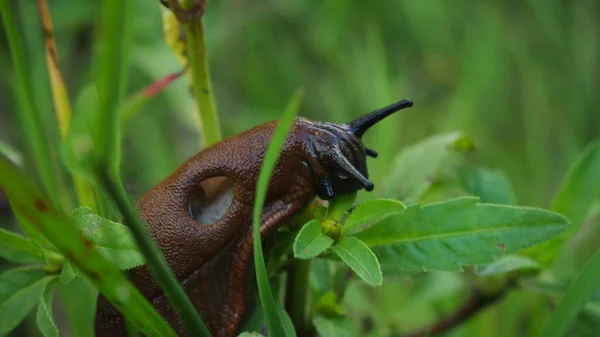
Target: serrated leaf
[370,212]
[333,326]
[506,264]
[357,255]
[17,248]
[491,186]
[20,290]
[113,240]
[44,319]
[414,167]
[310,241]
[458,232]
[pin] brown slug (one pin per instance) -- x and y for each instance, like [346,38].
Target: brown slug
[201,215]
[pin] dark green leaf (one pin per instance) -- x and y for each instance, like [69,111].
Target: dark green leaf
[20,290]
[17,248]
[113,240]
[458,232]
[506,264]
[491,186]
[370,212]
[415,166]
[334,326]
[44,319]
[310,241]
[360,258]
[269,304]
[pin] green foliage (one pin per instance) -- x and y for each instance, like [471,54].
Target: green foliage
[20,290]
[276,319]
[511,76]
[111,239]
[43,316]
[458,232]
[17,248]
[310,241]
[578,192]
[334,326]
[58,229]
[415,166]
[507,264]
[360,258]
[372,211]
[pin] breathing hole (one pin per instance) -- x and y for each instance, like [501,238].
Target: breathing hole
[210,199]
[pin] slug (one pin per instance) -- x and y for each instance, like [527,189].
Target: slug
[201,215]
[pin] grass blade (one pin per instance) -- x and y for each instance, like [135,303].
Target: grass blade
[580,291]
[29,118]
[276,328]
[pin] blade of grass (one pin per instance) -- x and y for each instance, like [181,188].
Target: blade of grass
[57,227]
[267,301]
[29,119]
[115,26]
[580,291]
[60,97]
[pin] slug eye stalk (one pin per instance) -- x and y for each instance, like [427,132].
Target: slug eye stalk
[359,126]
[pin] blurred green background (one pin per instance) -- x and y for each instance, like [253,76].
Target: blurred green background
[519,77]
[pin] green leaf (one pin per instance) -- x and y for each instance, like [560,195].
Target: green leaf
[44,319]
[20,290]
[269,304]
[78,300]
[310,241]
[415,166]
[333,326]
[370,212]
[68,273]
[17,248]
[59,229]
[360,258]
[506,264]
[113,240]
[458,232]
[578,192]
[491,186]
[250,334]
[579,292]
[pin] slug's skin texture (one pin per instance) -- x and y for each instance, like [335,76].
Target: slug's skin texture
[213,261]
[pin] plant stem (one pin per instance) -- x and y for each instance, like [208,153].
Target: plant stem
[29,118]
[155,261]
[296,295]
[200,75]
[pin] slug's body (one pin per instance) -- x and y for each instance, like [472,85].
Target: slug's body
[201,215]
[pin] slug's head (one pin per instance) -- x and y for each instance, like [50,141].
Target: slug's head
[339,154]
